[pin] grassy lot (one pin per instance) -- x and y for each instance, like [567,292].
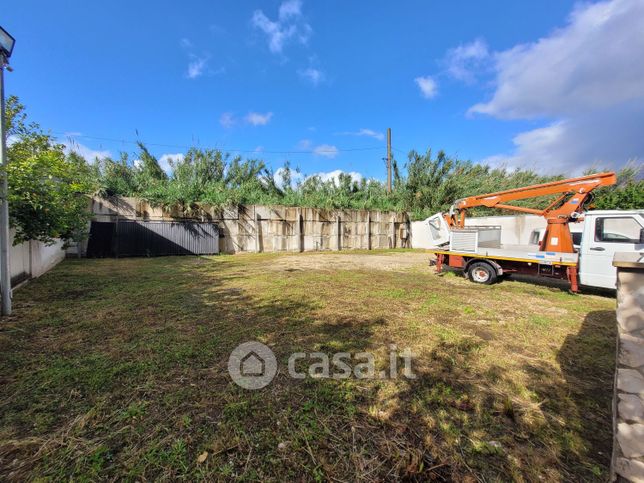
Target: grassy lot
[117,369]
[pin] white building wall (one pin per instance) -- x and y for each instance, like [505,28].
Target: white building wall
[19,263]
[45,257]
[33,258]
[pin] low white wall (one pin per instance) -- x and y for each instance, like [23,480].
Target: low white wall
[19,260]
[515,230]
[33,258]
[45,257]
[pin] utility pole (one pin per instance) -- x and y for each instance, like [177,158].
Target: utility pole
[5,273]
[6,48]
[388,160]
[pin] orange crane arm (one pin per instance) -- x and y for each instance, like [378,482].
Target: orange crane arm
[573,192]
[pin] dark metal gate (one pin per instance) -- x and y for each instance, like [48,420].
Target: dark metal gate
[129,238]
[101,239]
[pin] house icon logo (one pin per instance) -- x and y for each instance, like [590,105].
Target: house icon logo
[252,365]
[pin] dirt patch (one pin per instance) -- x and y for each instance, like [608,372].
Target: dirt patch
[393,262]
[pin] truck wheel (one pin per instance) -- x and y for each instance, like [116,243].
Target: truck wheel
[481,272]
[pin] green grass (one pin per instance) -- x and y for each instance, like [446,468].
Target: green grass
[116,369]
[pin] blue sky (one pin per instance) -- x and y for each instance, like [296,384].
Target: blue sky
[553,85]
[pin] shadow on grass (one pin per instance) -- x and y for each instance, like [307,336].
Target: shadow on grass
[587,361]
[459,425]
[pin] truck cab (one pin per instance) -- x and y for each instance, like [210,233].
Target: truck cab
[604,234]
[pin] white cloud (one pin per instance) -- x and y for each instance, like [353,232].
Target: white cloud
[326,150]
[586,65]
[198,63]
[304,144]
[428,86]
[196,66]
[365,133]
[90,155]
[290,8]
[585,78]
[335,176]
[258,119]
[289,25]
[314,76]
[461,62]
[277,35]
[608,139]
[227,120]
[296,177]
[164,161]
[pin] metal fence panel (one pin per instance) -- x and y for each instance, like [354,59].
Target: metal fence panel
[154,238]
[101,239]
[129,238]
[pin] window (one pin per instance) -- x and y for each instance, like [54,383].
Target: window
[435,227]
[576,238]
[617,230]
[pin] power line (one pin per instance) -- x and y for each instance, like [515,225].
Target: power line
[233,150]
[400,150]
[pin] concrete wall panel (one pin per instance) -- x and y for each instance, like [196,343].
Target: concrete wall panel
[279,228]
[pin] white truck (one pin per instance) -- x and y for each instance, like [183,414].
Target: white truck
[479,253]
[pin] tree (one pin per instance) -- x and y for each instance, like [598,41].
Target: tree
[115,178]
[627,194]
[431,184]
[46,188]
[149,170]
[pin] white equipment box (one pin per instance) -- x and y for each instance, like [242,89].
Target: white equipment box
[471,238]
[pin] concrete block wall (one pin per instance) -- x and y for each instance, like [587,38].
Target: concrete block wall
[628,400]
[254,228]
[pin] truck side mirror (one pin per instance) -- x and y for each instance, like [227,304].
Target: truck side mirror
[641,235]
